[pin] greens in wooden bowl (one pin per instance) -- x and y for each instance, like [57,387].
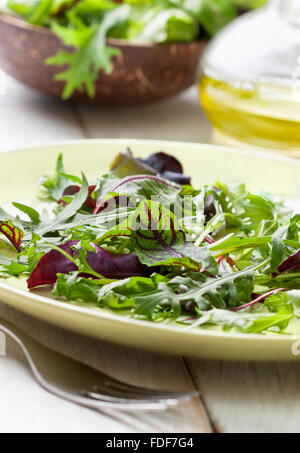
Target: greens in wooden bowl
[121,52]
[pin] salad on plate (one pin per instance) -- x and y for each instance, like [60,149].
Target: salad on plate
[142,241]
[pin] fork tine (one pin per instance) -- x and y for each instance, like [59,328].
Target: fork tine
[148,392]
[99,403]
[112,382]
[132,401]
[124,391]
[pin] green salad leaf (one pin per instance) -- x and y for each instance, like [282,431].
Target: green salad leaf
[92,55]
[158,239]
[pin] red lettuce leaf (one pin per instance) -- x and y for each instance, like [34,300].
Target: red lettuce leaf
[110,265]
[178,178]
[110,204]
[73,190]
[14,234]
[292,263]
[209,208]
[158,240]
[161,162]
[168,167]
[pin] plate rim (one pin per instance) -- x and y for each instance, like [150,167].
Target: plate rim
[272,155]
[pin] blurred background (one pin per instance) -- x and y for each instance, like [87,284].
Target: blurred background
[226,71]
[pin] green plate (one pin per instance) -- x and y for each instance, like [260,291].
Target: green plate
[19,172]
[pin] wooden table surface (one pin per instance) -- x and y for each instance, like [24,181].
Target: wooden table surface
[234,397]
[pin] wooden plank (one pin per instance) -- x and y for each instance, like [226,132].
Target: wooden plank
[27,408]
[28,117]
[136,367]
[179,118]
[250,397]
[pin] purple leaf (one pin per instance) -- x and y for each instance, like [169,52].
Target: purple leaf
[161,162]
[73,190]
[292,263]
[167,166]
[111,203]
[110,265]
[158,239]
[51,264]
[177,177]
[210,208]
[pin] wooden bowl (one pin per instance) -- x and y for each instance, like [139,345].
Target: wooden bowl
[142,72]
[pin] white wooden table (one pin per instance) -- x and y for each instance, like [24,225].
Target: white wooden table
[235,397]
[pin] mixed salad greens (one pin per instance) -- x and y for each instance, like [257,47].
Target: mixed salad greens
[85,25]
[142,240]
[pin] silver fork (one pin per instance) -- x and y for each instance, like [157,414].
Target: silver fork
[81,384]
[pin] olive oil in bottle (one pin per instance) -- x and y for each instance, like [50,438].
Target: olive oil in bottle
[250,88]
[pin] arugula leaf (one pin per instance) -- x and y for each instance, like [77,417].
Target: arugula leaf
[232,243]
[91,55]
[32,213]
[69,211]
[255,208]
[274,302]
[56,182]
[156,298]
[276,323]
[116,295]
[12,268]
[150,298]
[213,287]
[245,322]
[202,290]
[73,288]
